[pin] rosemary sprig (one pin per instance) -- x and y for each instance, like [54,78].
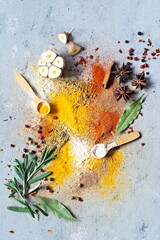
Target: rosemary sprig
[29,173]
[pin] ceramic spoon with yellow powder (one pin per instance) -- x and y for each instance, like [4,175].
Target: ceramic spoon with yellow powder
[42,106]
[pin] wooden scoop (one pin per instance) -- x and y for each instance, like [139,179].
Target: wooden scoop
[101,150]
[42,106]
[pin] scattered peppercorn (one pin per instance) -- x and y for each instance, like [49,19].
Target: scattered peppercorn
[126,41]
[12,145]
[135,58]
[27,126]
[81,185]
[147,73]
[55,117]
[33,152]
[143,144]
[140,33]
[25,150]
[120,50]
[153,53]
[73,198]
[143,60]
[40,137]
[11,231]
[51,179]
[51,191]
[39,131]
[80,199]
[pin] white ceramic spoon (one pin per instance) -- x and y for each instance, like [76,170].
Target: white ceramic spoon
[100,150]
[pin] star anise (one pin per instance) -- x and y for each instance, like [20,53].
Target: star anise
[123,92]
[140,81]
[123,72]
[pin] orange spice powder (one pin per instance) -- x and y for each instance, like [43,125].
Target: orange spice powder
[105,125]
[98,73]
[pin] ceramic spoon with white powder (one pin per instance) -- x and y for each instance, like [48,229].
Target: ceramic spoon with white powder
[100,150]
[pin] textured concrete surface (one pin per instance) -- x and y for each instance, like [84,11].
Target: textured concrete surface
[26,27]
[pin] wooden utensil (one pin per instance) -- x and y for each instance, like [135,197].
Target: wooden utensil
[28,89]
[101,150]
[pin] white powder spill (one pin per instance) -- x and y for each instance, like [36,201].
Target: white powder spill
[80,149]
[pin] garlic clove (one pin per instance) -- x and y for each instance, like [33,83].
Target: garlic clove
[41,62]
[73,48]
[63,37]
[54,72]
[48,56]
[43,71]
[59,62]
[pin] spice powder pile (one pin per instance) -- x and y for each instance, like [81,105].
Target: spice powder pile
[83,114]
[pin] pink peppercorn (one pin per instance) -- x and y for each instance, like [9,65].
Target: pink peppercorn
[135,58]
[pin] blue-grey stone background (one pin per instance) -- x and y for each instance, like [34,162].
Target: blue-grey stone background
[26,28]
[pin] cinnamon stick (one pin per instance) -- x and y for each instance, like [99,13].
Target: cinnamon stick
[107,75]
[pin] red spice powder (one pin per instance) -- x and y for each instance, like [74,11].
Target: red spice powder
[98,73]
[105,125]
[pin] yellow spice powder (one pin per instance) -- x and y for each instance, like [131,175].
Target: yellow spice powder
[110,174]
[62,166]
[71,111]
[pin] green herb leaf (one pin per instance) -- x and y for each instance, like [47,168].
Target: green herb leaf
[33,159]
[29,209]
[29,172]
[39,177]
[33,189]
[18,172]
[56,208]
[129,115]
[19,165]
[41,210]
[18,209]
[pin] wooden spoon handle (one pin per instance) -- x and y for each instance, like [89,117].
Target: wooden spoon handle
[127,138]
[25,86]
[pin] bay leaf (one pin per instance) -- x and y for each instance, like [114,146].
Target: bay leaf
[129,115]
[55,207]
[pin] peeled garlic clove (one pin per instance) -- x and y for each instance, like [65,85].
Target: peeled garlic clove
[59,62]
[63,37]
[48,56]
[41,62]
[43,71]
[54,72]
[73,48]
